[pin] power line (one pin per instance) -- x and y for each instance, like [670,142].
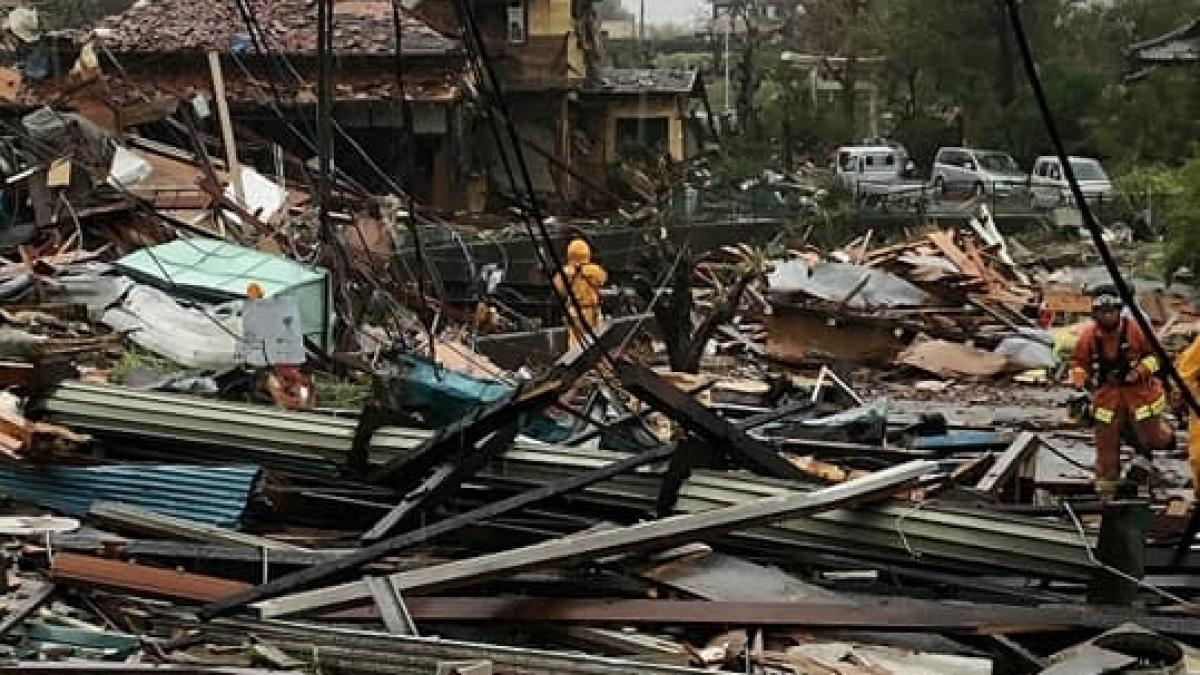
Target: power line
[552,264]
[1089,219]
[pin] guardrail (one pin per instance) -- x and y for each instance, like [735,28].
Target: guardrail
[1007,197]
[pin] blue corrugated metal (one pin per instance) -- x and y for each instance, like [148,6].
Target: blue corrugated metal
[205,494]
[958,439]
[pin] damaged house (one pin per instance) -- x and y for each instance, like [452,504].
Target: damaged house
[156,51]
[576,118]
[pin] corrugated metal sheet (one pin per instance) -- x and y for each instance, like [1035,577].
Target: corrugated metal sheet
[985,540]
[205,494]
[218,431]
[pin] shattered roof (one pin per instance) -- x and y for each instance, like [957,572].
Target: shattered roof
[645,81]
[435,86]
[361,27]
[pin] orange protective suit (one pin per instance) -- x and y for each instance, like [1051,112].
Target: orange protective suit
[585,279]
[1118,367]
[1188,365]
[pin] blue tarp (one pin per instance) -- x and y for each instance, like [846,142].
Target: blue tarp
[444,396]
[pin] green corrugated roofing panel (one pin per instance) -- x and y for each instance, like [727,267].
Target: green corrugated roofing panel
[217,270]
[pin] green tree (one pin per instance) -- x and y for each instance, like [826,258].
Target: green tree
[612,10]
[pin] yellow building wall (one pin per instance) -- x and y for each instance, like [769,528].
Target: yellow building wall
[553,17]
[645,108]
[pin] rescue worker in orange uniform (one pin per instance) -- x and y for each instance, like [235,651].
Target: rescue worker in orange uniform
[1188,365]
[585,279]
[1114,361]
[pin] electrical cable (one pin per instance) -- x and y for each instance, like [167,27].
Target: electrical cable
[1089,219]
[275,105]
[534,213]
[1106,256]
[506,163]
[410,138]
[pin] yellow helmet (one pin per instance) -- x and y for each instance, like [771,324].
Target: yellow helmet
[578,252]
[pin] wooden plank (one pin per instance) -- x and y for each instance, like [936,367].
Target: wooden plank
[590,545]
[884,614]
[227,137]
[366,555]
[652,388]
[1009,461]
[677,472]
[142,520]
[82,570]
[444,481]
[391,608]
[179,551]
[944,241]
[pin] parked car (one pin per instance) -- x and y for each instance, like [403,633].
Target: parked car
[860,167]
[977,172]
[1048,184]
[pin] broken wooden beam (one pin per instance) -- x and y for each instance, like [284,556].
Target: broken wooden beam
[653,389]
[443,481]
[133,518]
[591,545]
[1009,462]
[876,614]
[364,556]
[678,471]
[81,570]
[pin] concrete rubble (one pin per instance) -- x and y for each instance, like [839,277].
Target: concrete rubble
[273,424]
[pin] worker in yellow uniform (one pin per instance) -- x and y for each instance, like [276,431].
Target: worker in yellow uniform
[1188,365]
[584,278]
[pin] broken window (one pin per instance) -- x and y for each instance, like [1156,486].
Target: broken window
[642,135]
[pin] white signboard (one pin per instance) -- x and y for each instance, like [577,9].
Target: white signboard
[272,334]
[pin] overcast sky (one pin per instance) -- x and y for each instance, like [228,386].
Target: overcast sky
[661,11]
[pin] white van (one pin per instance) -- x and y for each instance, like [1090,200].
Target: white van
[861,166]
[977,172]
[1048,183]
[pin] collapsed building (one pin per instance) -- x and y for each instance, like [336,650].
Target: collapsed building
[258,417]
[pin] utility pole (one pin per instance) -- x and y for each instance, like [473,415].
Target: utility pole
[642,26]
[324,111]
[728,28]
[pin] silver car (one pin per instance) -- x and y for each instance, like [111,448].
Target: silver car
[977,172]
[1049,187]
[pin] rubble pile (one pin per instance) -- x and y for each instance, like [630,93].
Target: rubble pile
[247,427]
